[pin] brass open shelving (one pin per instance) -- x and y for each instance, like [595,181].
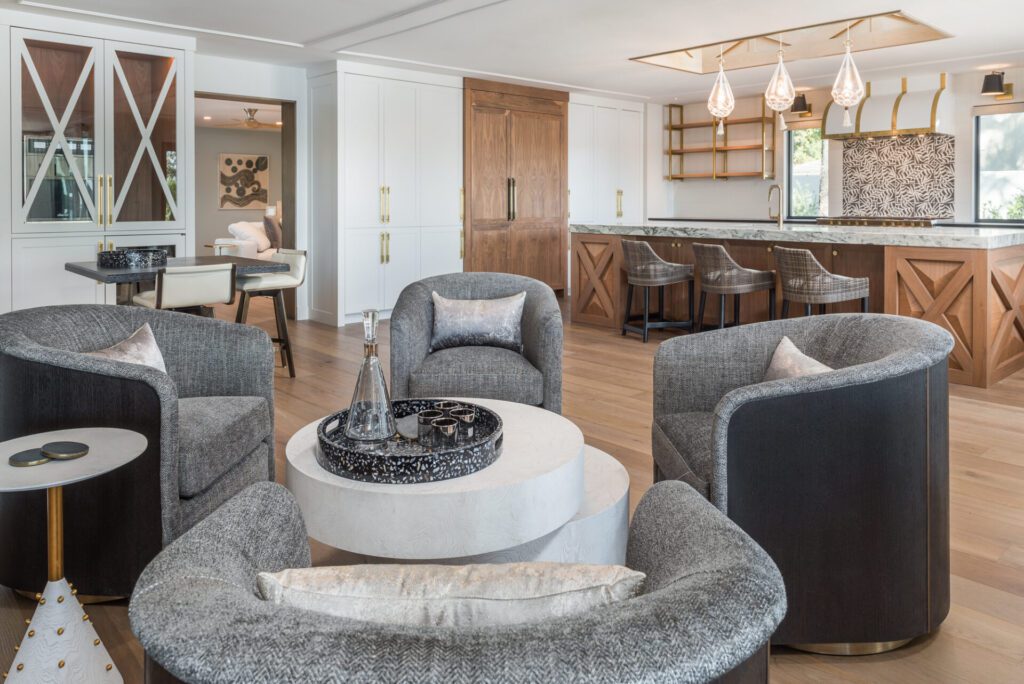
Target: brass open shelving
[719,149]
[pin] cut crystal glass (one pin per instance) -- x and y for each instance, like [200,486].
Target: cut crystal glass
[370,418]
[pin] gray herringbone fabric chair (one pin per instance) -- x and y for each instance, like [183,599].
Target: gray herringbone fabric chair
[842,477]
[721,275]
[710,603]
[805,281]
[646,269]
[209,421]
[533,377]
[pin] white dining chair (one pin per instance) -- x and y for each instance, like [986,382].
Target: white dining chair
[190,287]
[273,285]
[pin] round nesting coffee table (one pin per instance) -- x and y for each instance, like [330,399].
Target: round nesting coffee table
[534,488]
[60,643]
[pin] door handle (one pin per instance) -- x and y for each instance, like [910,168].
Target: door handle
[382,242]
[110,200]
[387,205]
[99,247]
[387,242]
[110,245]
[380,202]
[99,200]
[462,244]
[508,198]
[462,204]
[618,204]
[515,201]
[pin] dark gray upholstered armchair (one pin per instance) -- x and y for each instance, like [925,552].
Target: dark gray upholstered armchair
[209,421]
[711,600]
[534,377]
[842,477]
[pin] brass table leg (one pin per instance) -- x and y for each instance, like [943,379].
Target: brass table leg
[55,532]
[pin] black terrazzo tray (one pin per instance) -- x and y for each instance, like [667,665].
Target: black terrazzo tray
[403,461]
[132,258]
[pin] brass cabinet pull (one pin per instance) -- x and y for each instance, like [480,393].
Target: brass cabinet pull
[110,200]
[508,197]
[99,247]
[462,244]
[382,241]
[110,245]
[618,204]
[835,252]
[515,201]
[99,200]
[769,250]
[387,203]
[387,242]
[462,204]
[380,202]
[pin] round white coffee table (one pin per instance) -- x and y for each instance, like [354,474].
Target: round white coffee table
[60,643]
[534,488]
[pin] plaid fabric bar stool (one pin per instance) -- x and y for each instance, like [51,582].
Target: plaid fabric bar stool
[805,281]
[721,275]
[646,269]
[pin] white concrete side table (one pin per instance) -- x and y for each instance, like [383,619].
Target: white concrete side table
[534,488]
[60,643]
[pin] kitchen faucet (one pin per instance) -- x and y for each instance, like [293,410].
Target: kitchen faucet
[778,214]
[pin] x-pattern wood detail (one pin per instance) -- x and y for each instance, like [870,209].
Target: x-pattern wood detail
[59,126]
[146,131]
[594,270]
[935,307]
[1010,292]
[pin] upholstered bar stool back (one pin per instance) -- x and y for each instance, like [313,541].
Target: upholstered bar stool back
[273,285]
[644,268]
[187,287]
[805,281]
[721,275]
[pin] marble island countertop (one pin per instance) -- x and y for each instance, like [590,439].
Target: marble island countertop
[935,236]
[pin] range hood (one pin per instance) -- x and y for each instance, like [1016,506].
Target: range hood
[902,112]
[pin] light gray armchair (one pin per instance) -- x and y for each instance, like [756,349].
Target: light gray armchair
[535,377]
[209,421]
[710,602]
[842,477]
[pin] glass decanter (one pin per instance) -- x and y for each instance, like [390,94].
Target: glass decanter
[369,417]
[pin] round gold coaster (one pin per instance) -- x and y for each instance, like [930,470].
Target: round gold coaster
[65,451]
[30,457]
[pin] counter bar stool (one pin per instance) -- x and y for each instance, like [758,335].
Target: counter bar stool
[805,280]
[190,288]
[646,269]
[721,275]
[273,285]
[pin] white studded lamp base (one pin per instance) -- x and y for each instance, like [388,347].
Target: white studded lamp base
[61,645]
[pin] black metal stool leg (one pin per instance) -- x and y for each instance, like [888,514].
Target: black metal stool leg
[282,331]
[689,303]
[864,305]
[700,315]
[243,307]
[771,304]
[629,307]
[721,312]
[822,309]
[785,309]
[661,303]
[735,309]
[647,311]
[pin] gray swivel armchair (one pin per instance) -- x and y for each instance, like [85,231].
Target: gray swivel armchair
[710,602]
[841,477]
[533,377]
[209,422]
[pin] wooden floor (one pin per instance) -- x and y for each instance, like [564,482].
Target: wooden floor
[607,392]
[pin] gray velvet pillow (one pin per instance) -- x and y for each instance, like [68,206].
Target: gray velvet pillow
[478,322]
[790,362]
[140,348]
[272,227]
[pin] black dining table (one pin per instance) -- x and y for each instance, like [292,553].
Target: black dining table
[112,276]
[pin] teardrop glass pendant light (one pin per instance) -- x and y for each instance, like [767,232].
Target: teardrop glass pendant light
[780,92]
[848,89]
[721,101]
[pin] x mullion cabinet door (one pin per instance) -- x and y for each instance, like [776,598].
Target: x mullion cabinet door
[145,127]
[57,113]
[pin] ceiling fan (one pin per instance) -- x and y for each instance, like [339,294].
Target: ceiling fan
[249,121]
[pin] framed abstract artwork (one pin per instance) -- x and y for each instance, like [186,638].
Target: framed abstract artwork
[244,181]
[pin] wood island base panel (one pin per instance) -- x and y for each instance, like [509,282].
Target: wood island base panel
[976,293]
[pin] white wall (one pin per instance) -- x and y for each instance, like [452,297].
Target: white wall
[247,79]
[6,178]
[212,221]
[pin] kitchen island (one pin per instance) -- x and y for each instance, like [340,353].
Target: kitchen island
[969,280]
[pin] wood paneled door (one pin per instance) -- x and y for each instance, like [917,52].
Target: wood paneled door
[516,161]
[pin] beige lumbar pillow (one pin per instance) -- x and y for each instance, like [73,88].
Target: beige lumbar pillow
[790,362]
[140,348]
[452,595]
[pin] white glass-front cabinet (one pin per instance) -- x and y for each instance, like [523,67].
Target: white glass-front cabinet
[402,149]
[97,128]
[606,175]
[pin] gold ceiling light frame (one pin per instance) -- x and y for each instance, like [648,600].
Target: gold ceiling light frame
[870,32]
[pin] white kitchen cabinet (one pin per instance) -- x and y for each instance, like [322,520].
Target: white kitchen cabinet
[364,153]
[363,272]
[38,275]
[399,140]
[439,155]
[606,153]
[441,251]
[401,262]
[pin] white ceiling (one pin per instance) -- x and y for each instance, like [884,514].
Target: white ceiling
[228,113]
[576,44]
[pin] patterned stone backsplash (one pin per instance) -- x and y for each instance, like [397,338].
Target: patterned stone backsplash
[907,176]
